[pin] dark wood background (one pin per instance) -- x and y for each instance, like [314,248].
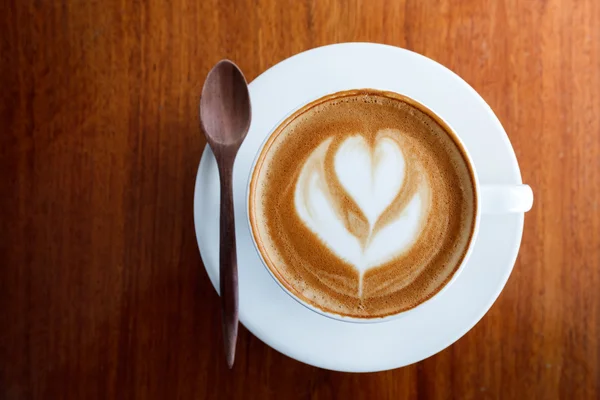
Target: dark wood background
[102,291]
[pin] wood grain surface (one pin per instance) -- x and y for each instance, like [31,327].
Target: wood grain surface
[102,291]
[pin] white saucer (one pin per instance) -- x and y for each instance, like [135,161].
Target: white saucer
[282,323]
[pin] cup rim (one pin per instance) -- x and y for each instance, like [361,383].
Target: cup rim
[470,165]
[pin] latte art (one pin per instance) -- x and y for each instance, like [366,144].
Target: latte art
[362,204]
[362,200]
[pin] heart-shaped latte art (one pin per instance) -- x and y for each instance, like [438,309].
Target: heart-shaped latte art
[372,177]
[361,199]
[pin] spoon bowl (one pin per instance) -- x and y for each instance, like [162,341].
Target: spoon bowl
[225,106]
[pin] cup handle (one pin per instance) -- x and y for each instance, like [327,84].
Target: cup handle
[503,199]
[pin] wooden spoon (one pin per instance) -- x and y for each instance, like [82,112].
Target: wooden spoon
[225,119]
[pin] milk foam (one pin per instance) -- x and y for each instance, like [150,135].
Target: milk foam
[362,204]
[372,176]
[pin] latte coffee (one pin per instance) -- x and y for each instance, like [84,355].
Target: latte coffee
[363,204]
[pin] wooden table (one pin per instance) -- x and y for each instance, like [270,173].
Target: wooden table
[102,291]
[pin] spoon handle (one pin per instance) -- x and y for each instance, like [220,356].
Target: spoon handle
[228,272]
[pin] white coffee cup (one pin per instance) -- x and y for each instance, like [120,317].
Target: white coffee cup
[491,199]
